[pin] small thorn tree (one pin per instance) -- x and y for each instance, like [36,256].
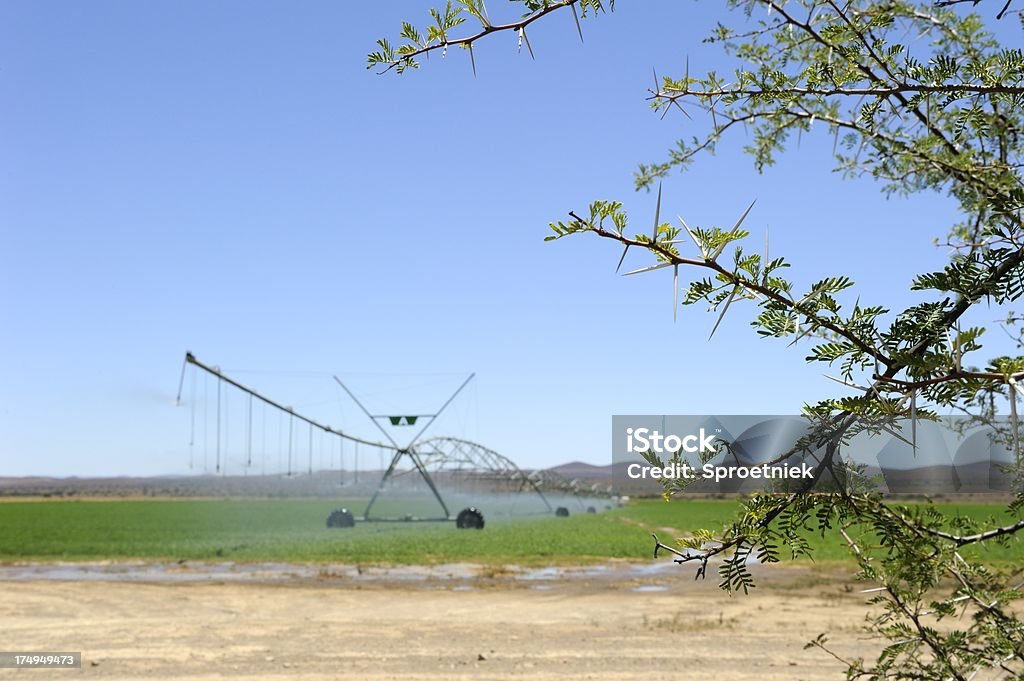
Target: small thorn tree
[922,97]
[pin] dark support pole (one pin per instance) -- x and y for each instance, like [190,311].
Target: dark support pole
[248,462]
[192,418]
[430,481]
[181,381]
[383,479]
[422,471]
[218,426]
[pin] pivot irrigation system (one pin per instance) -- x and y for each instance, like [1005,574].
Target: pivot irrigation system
[468,467]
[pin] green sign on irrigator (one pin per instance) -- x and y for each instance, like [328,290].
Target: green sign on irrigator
[403,420]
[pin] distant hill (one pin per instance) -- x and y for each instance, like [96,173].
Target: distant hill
[974,478]
[586,472]
[319,484]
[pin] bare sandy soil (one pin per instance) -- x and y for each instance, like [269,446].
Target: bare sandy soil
[615,625]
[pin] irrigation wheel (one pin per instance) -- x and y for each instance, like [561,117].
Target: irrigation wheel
[341,517]
[470,519]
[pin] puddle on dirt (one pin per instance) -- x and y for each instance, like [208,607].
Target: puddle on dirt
[461,574]
[655,568]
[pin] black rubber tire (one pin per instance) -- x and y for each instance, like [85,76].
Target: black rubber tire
[470,519]
[341,517]
[591,509]
[562,512]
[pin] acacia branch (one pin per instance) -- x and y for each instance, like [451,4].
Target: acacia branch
[951,376]
[968,176]
[863,68]
[963,540]
[485,30]
[841,423]
[882,87]
[735,279]
[975,3]
[958,540]
[671,93]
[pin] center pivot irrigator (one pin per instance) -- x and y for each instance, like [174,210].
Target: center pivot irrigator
[429,475]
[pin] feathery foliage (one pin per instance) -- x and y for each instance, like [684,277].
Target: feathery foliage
[923,98]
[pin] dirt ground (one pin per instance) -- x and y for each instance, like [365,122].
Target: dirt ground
[478,624]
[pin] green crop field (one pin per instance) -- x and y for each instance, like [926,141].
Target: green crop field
[294,530]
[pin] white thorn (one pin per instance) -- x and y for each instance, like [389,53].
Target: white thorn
[647,269]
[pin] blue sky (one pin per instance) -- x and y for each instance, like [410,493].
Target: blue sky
[229,178]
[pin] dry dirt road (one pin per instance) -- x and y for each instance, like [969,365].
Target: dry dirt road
[611,626]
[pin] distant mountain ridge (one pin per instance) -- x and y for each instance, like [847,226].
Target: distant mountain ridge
[320,484]
[583,471]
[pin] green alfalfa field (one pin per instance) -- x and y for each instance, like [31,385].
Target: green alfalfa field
[294,530]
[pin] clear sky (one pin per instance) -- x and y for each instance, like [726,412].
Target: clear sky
[228,178]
